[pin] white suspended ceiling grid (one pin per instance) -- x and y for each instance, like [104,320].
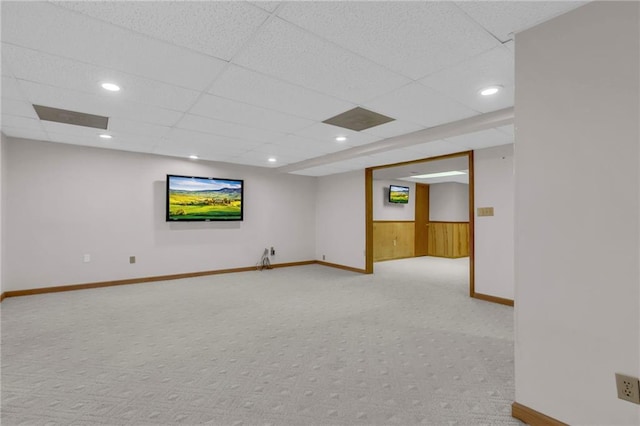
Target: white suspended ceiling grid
[241,82]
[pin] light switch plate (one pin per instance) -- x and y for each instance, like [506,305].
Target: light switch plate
[485,211]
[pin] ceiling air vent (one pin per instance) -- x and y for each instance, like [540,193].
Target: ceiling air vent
[358,119]
[71,117]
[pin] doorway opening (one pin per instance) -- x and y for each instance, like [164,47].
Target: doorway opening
[414,226]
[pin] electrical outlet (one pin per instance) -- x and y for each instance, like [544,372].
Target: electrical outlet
[132,259]
[86,258]
[628,388]
[273,251]
[323,257]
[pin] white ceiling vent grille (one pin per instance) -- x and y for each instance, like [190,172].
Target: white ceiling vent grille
[71,117]
[358,119]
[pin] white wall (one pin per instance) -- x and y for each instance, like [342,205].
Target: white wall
[449,202]
[63,201]
[494,187]
[577,213]
[340,219]
[384,210]
[2,182]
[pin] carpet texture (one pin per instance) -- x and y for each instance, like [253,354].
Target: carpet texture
[307,345]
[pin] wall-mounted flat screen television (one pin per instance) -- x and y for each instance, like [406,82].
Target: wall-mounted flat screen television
[398,194]
[191,198]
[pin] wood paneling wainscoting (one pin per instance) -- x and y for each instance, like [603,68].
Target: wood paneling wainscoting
[449,239]
[393,239]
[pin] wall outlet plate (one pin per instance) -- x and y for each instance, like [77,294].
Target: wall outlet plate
[628,388]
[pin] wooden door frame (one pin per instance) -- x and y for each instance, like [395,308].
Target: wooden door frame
[368,179]
[416,224]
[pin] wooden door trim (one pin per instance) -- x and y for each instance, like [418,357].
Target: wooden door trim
[368,177]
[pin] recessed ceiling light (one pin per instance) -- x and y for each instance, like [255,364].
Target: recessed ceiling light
[491,90]
[105,136]
[272,159]
[441,174]
[341,138]
[112,87]
[193,157]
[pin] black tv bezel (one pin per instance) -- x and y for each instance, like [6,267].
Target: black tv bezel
[398,202]
[166,205]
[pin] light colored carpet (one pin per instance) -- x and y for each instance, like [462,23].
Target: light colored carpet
[307,345]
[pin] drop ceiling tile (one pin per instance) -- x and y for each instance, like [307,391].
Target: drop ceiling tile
[258,161]
[435,148]
[504,18]
[327,133]
[464,81]
[260,156]
[216,28]
[225,128]
[250,87]
[10,89]
[309,147]
[136,128]
[481,139]
[87,139]
[410,38]
[269,6]
[20,122]
[249,115]
[43,68]
[188,137]
[393,128]
[203,149]
[395,156]
[289,53]
[19,108]
[17,132]
[36,25]
[41,94]
[421,105]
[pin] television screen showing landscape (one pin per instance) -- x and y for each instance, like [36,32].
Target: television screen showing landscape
[203,199]
[398,194]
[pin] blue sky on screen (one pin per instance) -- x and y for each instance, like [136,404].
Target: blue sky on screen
[399,188]
[199,184]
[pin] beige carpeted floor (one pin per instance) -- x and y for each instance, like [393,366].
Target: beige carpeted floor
[307,345]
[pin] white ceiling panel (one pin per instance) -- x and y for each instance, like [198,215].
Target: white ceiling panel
[329,169]
[124,126]
[482,139]
[248,115]
[251,87]
[10,89]
[43,26]
[225,128]
[188,138]
[414,40]
[20,122]
[393,128]
[309,148]
[435,148]
[41,94]
[239,81]
[19,108]
[20,132]
[219,29]
[327,133]
[287,52]
[204,149]
[464,81]
[504,18]
[421,105]
[433,166]
[67,74]
[260,156]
